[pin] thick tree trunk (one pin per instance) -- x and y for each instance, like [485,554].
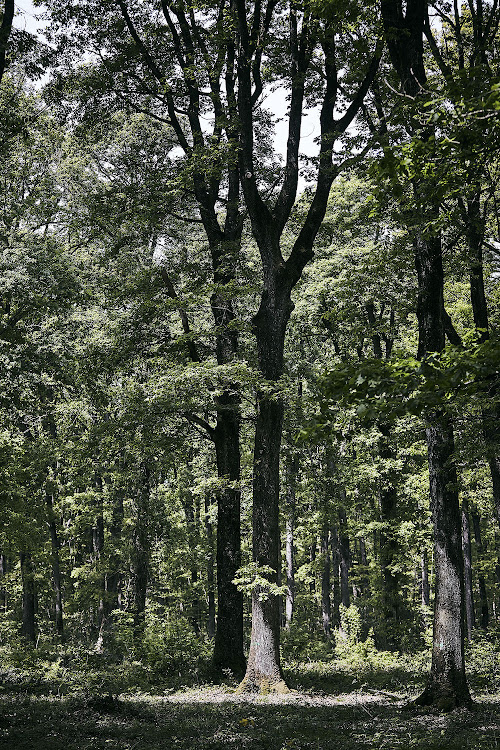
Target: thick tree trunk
[28,628]
[56,567]
[447,686]
[263,668]
[228,649]
[483,596]
[470,617]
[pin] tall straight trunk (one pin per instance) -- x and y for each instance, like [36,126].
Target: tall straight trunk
[28,628]
[112,576]
[334,538]
[426,588]
[466,547]
[345,559]
[391,601]
[483,596]
[228,648]
[312,559]
[210,570]
[325,583]
[188,502]
[490,414]
[56,567]
[290,533]
[3,590]
[141,552]
[97,547]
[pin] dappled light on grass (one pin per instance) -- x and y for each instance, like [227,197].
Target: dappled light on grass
[332,706]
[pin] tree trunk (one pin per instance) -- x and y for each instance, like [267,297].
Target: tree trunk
[325,583]
[228,649]
[345,559]
[336,577]
[210,570]
[263,668]
[391,603]
[483,596]
[466,547]
[290,532]
[426,588]
[28,628]
[447,685]
[3,590]
[141,553]
[56,568]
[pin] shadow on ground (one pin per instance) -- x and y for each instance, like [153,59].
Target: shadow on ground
[203,718]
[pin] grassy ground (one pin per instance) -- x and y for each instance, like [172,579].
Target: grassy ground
[332,706]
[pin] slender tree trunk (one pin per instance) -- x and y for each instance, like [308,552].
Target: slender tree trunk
[3,590]
[28,628]
[56,567]
[426,588]
[466,547]
[345,559]
[334,538]
[325,583]
[483,596]
[210,570]
[141,553]
[391,603]
[290,551]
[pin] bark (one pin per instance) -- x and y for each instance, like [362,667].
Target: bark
[336,577]
[391,601]
[210,570]
[345,559]
[56,567]
[426,588]
[3,590]
[187,500]
[28,628]
[228,649]
[290,551]
[5,30]
[325,583]
[483,596]
[466,547]
[141,553]
[447,685]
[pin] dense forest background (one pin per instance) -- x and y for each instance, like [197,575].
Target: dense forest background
[249,406]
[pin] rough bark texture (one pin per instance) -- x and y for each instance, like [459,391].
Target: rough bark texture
[141,553]
[447,687]
[5,30]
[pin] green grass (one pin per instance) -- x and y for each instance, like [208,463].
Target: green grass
[337,705]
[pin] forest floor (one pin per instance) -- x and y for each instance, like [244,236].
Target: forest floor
[331,706]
